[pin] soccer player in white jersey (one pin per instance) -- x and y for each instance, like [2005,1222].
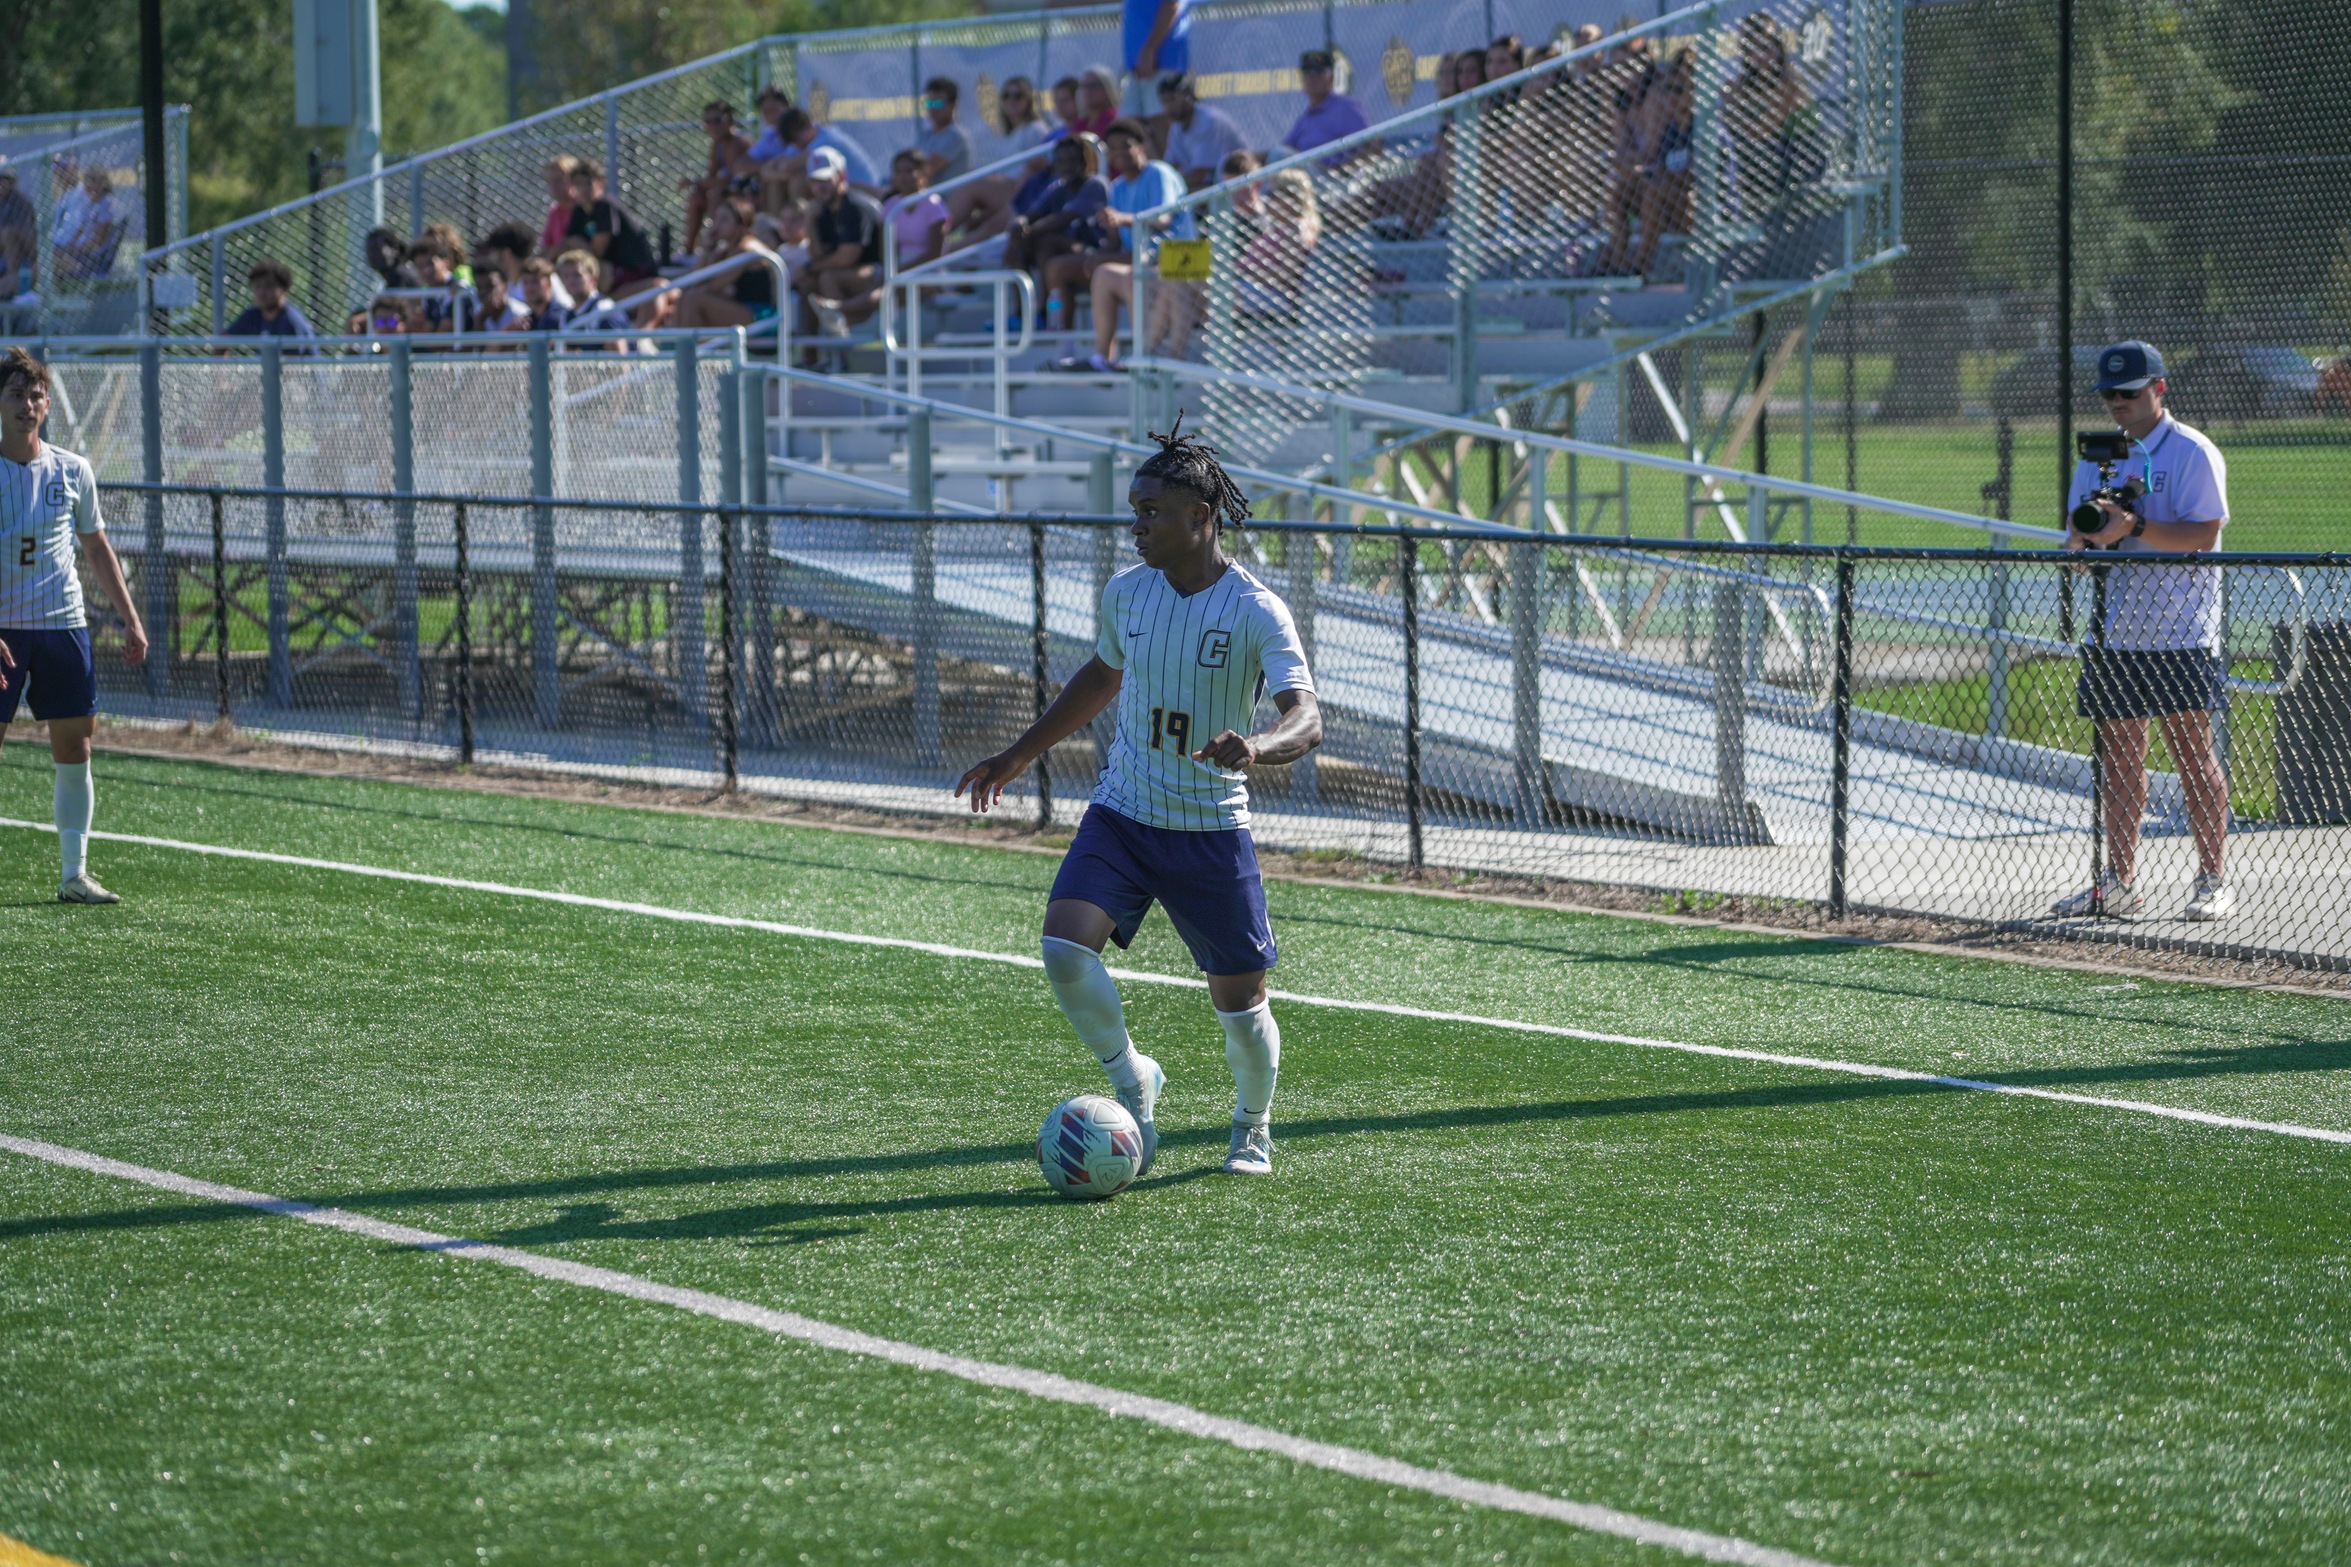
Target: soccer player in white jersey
[46,497]
[1189,641]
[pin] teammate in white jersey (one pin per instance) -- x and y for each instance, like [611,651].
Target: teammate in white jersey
[1188,642]
[46,497]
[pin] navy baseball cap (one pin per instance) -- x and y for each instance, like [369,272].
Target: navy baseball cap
[2125,367]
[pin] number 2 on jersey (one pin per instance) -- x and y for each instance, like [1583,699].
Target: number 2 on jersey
[1174,727]
[24,550]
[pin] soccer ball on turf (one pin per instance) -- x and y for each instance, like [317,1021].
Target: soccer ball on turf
[1089,1147]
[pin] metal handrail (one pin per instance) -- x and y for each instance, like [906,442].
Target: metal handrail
[1617,454]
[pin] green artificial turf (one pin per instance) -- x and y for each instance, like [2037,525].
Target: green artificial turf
[1870,1321]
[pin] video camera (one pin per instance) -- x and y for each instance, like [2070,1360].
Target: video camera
[2106,448]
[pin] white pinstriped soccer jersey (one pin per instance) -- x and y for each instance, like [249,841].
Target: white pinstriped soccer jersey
[42,505]
[1194,667]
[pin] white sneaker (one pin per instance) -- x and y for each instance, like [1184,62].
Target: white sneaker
[2214,899]
[2111,898]
[1142,1102]
[1252,1150]
[83,890]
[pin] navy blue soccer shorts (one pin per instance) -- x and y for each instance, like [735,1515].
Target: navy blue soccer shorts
[55,667]
[1207,882]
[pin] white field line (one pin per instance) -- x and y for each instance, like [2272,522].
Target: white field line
[1137,976]
[1352,1462]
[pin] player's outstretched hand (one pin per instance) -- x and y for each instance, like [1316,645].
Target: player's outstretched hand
[134,645]
[1230,749]
[987,779]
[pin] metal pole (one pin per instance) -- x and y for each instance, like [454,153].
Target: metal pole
[729,709]
[464,619]
[409,655]
[155,574]
[1041,666]
[2097,641]
[273,474]
[751,453]
[687,623]
[220,607]
[2064,246]
[154,181]
[1841,743]
[921,499]
[1730,705]
[546,600]
[1526,676]
[1408,582]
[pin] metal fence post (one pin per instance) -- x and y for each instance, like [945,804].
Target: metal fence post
[220,607]
[2097,641]
[1408,584]
[729,711]
[273,475]
[687,622]
[1841,741]
[155,574]
[1526,681]
[546,599]
[1042,670]
[219,282]
[1465,262]
[409,656]
[922,500]
[463,618]
[758,539]
[1305,780]
[1730,704]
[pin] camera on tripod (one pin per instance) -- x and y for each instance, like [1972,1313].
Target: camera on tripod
[2106,448]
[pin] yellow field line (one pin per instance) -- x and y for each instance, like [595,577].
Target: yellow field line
[15,1553]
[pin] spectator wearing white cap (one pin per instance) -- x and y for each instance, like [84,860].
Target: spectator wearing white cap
[2157,655]
[843,282]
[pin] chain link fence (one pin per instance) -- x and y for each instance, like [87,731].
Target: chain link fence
[70,251]
[1865,729]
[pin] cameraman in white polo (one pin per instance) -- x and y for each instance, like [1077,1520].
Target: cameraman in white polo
[2161,660]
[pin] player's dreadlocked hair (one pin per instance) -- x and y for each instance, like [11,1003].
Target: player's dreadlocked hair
[1191,462]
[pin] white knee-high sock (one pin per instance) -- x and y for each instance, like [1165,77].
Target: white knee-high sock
[1089,999]
[73,801]
[1253,1045]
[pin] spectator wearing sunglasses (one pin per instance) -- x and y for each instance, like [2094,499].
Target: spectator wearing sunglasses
[2157,659]
[943,145]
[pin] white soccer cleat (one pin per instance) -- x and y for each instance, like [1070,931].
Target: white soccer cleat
[2111,897]
[83,890]
[1252,1150]
[2214,899]
[1142,1102]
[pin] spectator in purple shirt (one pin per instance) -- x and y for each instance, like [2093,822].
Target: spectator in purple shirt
[1329,115]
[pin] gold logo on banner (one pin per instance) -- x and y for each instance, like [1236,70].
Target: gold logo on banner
[820,102]
[1183,260]
[983,93]
[1396,71]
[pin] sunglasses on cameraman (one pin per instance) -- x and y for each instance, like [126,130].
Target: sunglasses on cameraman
[2120,394]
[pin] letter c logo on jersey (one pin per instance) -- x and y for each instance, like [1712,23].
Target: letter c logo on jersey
[1215,648]
[54,493]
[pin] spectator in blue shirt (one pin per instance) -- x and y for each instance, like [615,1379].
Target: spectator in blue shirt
[1139,184]
[273,314]
[1329,115]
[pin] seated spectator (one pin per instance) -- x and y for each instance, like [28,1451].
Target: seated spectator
[1329,115]
[543,307]
[786,233]
[1775,131]
[272,313]
[20,235]
[1653,183]
[740,297]
[607,228]
[843,283]
[434,267]
[1060,222]
[1139,184]
[769,143]
[1097,101]
[1068,117]
[460,267]
[1198,139]
[1505,56]
[88,229]
[577,271]
[943,145]
[492,308]
[1273,264]
[785,177]
[1469,70]
[726,146]
[982,208]
[1018,119]
[387,315]
[507,248]
[557,172]
[917,215]
[387,257]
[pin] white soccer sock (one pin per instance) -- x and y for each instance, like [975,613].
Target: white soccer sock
[73,802]
[1253,1045]
[1089,999]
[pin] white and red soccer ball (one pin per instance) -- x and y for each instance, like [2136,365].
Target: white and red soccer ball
[1089,1148]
